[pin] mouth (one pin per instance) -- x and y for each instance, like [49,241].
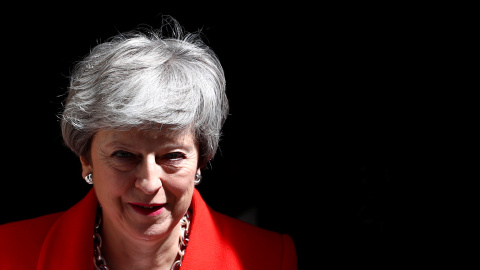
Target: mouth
[148,209]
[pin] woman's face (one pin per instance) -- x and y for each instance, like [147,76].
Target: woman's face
[144,180]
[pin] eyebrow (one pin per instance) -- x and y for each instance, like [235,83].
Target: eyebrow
[117,143]
[166,145]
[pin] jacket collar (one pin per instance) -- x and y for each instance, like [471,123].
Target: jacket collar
[207,245]
[69,243]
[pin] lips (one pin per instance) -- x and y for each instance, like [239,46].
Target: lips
[147,209]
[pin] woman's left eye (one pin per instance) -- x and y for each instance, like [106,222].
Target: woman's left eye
[174,156]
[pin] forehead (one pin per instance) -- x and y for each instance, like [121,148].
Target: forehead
[135,136]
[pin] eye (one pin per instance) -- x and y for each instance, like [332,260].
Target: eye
[123,160]
[123,154]
[174,156]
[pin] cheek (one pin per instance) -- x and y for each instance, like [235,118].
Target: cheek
[110,186]
[182,180]
[179,187]
[180,191]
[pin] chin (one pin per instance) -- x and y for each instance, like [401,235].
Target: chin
[153,232]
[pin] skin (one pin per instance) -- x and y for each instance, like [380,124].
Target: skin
[150,167]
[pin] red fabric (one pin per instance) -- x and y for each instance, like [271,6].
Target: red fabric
[65,241]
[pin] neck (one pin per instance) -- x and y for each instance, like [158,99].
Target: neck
[124,252]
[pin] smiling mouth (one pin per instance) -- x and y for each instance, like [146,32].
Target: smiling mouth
[147,209]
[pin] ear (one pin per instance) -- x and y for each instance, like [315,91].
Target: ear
[86,166]
[199,171]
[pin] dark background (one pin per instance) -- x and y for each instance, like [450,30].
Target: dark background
[333,130]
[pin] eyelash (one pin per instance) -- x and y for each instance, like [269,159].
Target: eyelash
[122,154]
[174,155]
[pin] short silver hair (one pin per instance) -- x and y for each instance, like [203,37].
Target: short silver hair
[141,79]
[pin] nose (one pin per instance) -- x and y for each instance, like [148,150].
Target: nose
[148,176]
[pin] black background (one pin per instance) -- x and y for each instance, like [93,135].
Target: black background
[333,125]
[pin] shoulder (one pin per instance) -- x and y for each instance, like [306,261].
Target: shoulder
[30,230]
[218,241]
[21,238]
[240,229]
[257,244]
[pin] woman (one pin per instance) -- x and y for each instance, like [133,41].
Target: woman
[144,115]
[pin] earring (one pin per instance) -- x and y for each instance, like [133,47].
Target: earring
[198,179]
[89,179]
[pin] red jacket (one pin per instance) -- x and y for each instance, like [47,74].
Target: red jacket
[65,241]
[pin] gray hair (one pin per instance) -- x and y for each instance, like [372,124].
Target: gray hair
[142,80]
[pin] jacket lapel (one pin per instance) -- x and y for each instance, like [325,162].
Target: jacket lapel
[69,243]
[207,247]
